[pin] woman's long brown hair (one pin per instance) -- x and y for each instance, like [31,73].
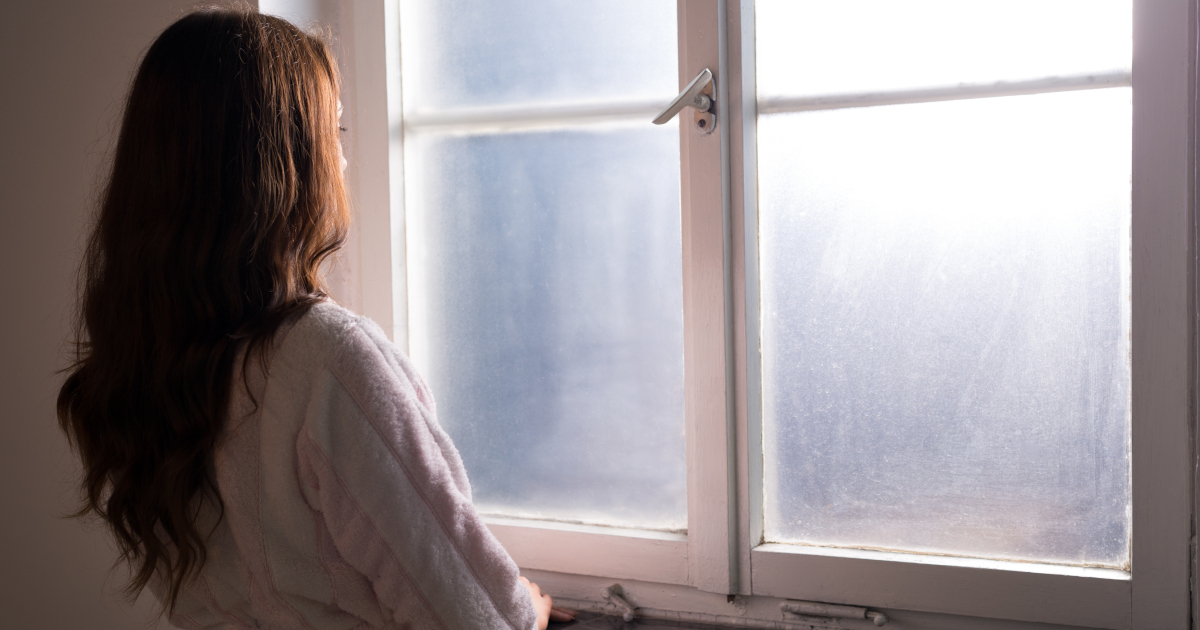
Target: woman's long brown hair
[224,198]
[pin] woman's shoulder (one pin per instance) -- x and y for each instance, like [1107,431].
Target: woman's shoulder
[324,324]
[331,349]
[325,330]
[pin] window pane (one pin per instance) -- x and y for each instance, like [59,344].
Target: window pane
[545,300]
[482,53]
[811,47]
[945,326]
[547,315]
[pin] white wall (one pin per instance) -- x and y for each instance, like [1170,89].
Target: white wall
[64,67]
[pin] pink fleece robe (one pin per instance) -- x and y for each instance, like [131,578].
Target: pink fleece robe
[346,505]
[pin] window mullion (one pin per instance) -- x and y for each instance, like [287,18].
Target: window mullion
[1164,64]
[742,107]
[712,508]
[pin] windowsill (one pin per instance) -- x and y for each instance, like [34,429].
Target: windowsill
[584,528]
[949,561]
[601,621]
[615,552]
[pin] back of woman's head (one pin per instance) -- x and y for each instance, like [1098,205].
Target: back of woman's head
[224,199]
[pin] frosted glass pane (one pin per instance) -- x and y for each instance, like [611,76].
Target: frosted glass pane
[547,315]
[479,53]
[945,311]
[814,47]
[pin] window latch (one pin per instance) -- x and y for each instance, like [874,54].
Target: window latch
[615,595]
[698,95]
[836,611]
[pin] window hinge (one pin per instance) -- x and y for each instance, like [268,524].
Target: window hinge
[836,611]
[614,595]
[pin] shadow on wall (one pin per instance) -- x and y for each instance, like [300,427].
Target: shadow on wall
[65,67]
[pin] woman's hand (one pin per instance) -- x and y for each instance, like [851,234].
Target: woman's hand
[544,605]
[541,603]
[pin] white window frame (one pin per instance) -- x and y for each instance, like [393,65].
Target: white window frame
[695,576]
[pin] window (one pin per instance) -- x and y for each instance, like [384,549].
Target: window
[944,263]
[542,222]
[899,334]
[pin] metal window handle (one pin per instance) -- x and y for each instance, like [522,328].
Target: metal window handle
[616,596]
[699,95]
[836,611]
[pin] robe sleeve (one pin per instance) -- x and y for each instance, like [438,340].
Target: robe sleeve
[394,495]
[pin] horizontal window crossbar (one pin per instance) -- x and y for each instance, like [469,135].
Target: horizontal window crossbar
[785,104]
[1099,598]
[1100,573]
[526,117]
[660,557]
[607,530]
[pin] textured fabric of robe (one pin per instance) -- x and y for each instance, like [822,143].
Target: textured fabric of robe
[345,504]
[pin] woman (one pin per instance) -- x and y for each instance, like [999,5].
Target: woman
[263,457]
